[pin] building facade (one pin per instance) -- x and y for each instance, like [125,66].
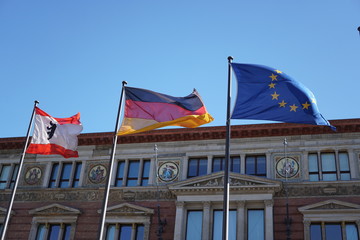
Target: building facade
[287,181]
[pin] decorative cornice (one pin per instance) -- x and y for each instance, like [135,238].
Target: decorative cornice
[204,133]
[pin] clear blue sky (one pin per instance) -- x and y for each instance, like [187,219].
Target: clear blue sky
[72,55]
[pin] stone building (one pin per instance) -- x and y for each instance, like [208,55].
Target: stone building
[168,184]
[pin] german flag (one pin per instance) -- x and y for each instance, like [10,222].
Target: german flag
[147,110]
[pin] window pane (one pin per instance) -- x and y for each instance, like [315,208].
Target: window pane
[256,229]
[4,176]
[192,167]
[344,162]
[145,173]
[217,164]
[328,162]
[250,165]
[67,231]
[53,176]
[345,176]
[120,174]
[194,225]
[329,176]
[351,232]
[133,172]
[110,232]
[314,177]
[125,232]
[313,163]
[77,175]
[333,231]
[203,167]
[65,175]
[13,177]
[54,232]
[261,165]
[140,232]
[40,235]
[217,227]
[235,166]
[315,232]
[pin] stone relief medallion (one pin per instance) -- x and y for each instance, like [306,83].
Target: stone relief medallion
[168,171]
[33,175]
[97,173]
[287,167]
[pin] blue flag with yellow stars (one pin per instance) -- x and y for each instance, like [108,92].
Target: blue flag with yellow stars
[265,93]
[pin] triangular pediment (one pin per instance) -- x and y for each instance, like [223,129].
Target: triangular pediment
[331,205]
[128,209]
[3,211]
[215,182]
[55,209]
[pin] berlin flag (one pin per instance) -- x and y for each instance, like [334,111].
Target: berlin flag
[55,135]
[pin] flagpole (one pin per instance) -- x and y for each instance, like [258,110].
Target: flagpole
[108,182]
[225,226]
[11,202]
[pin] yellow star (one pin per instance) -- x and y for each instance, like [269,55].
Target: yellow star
[293,108]
[272,85]
[306,105]
[278,71]
[273,77]
[282,104]
[313,100]
[275,96]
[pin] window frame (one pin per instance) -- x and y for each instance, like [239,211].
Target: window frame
[256,164]
[142,179]
[11,177]
[56,175]
[197,160]
[222,163]
[339,172]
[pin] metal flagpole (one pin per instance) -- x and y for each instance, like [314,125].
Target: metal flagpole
[227,158]
[108,182]
[11,202]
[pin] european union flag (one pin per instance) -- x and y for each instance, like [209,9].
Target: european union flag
[265,93]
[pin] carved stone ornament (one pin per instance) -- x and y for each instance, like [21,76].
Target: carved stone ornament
[33,175]
[168,171]
[97,174]
[287,168]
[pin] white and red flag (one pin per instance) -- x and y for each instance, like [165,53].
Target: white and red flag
[55,135]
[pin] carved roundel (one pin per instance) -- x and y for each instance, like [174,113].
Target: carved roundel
[97,173]
[287,167]
[168,171]
[33,175]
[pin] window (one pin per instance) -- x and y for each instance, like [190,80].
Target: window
[53,222]
[194,225]
[256,224]
[330,166]
[197,167]
[128,221]
[132,173]
[218,222]
[124,231]
[255,165]
[346,231]
[8,174]
[65,175]
[218,164]
[53,232]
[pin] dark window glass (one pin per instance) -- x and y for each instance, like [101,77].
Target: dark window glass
[125,232]
[76,178]
[315,232]
[120,174]
[53,176]
[54,232]
[139,232]
[145,173]
[197,167]
[132,177]
[13,177]
[65,175]
[333,232]
[255,165]
[4,176]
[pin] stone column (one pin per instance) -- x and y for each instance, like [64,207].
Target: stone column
[240,220]
[268,166]
[179,221]
[206,226]
[269,226]
[242,163]
[307,229]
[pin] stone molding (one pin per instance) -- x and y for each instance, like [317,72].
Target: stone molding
[54,209]
[126,209]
